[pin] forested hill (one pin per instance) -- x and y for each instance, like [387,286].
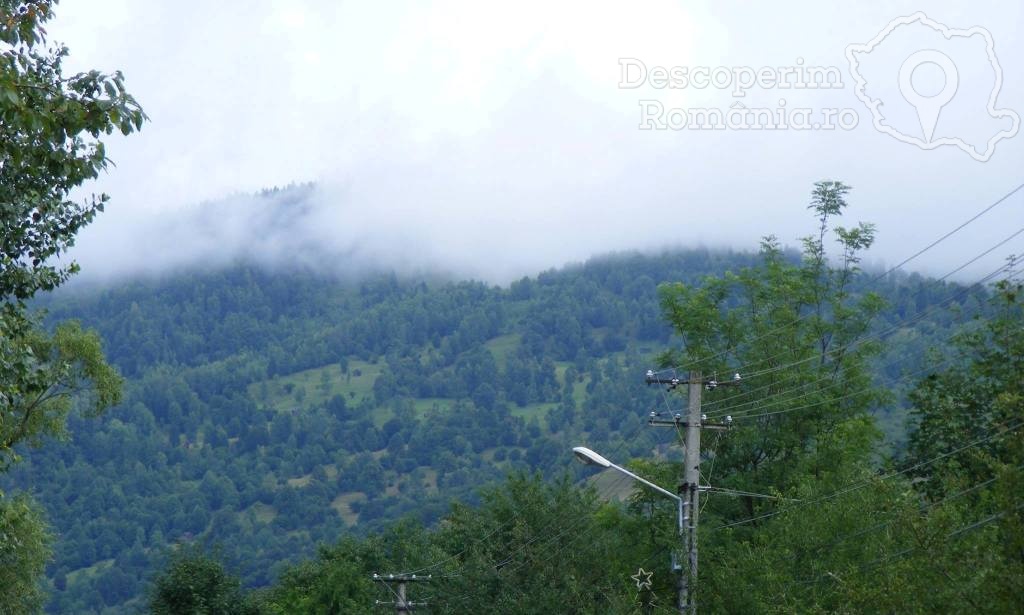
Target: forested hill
[268,411]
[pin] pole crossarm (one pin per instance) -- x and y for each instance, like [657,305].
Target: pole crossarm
[710,383]
[402,578]
[681,422]
[401,603]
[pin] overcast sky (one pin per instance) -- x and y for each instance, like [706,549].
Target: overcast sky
[497,139]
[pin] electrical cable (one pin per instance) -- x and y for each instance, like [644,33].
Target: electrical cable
[864,483]
[884,524]
[895,327]
[784,397]
[888,271]
[930,309]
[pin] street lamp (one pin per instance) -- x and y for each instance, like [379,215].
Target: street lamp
[589,457]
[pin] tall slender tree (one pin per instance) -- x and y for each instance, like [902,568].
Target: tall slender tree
[796,329]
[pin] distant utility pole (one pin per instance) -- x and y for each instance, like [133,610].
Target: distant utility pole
[689,484]
[401,603]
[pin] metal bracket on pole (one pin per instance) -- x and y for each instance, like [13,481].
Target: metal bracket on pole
[679,421]
[402,604]
[711,383]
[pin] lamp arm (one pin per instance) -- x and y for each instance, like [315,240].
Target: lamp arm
[638,479]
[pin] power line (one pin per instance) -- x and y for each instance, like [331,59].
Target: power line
[893,327]
[734,410]
[950,233]
[623,441]
[956,534]
[883,274]
[620,480]
[884,524]
[693,423]
[746,415]
[749,494]
[402,603]
[863,483]
[782,398]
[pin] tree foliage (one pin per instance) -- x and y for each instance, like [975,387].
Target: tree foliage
[530,547]
[195,582]
[50,130]
[843,534]
[57,372]
[798,332]
[979,392]
[24,548]
[51,126]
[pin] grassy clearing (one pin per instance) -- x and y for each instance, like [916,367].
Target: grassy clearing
[503,346]
[538,411]
[343,506]
[88,571]
[579,387]
[425,404]
[264,513]
[316,386]
[610,486]
[421,405]
[301,481]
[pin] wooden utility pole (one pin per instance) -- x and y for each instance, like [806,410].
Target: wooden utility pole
[689,490]
[689,484]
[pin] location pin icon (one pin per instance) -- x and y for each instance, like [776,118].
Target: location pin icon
[928,107]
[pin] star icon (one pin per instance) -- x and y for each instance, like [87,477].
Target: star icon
[643,579]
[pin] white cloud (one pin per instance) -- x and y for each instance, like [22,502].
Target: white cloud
[491,139]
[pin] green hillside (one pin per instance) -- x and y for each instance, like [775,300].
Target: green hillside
[269,411]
